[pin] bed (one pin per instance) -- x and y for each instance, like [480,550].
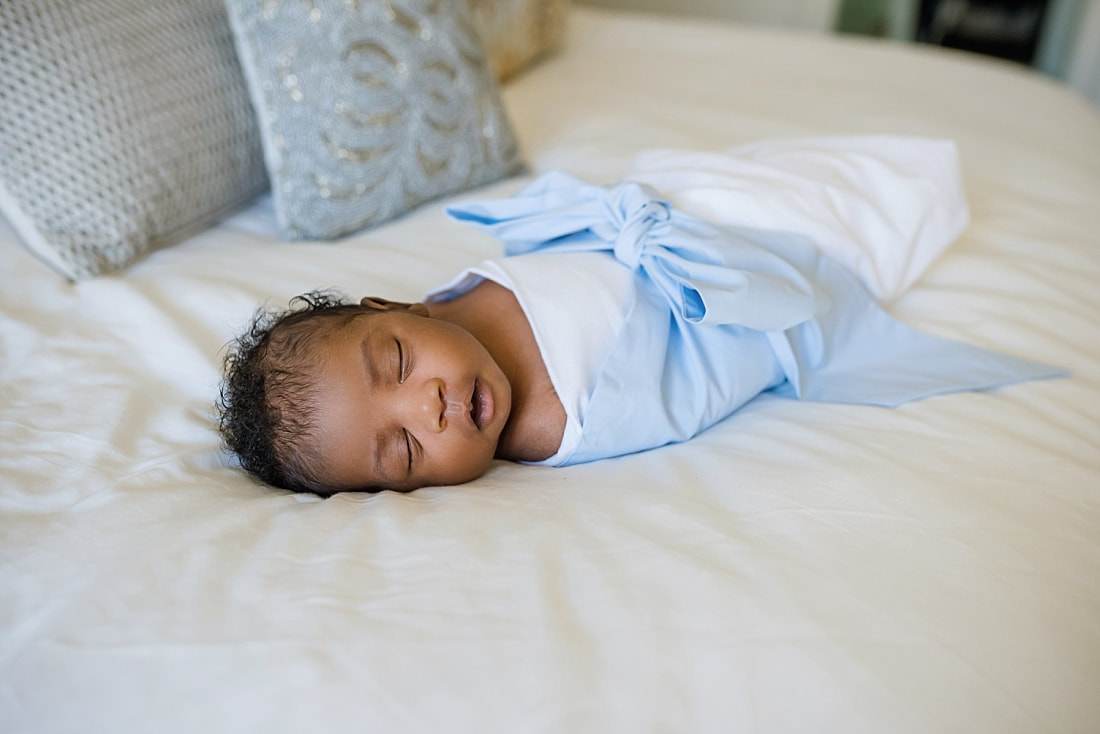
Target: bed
[799,567]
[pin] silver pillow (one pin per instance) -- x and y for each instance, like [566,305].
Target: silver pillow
[369,107]
[125,125]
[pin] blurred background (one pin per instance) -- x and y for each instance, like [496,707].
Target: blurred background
[1060,38]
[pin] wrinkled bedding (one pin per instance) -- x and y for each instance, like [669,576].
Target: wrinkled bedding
[799,567]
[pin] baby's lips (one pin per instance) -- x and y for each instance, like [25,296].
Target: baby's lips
[481,403]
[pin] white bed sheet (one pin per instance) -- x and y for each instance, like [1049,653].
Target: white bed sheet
[800,567]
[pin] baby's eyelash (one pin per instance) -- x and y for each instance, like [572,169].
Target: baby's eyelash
[408,448]
[400,362]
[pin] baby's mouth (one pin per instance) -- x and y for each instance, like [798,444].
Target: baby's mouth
[481,406]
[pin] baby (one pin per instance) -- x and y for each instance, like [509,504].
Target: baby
[616,324]
[384,395]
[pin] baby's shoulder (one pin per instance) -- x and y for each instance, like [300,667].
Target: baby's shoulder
[490,308]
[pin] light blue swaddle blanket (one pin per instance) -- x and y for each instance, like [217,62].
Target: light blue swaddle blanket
[722,314]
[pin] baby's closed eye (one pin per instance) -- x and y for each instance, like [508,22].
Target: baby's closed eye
[402,363]
[408,450]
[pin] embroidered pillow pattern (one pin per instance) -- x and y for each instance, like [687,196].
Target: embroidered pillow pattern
[369,107]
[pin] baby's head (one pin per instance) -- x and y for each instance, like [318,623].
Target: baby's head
[333,396]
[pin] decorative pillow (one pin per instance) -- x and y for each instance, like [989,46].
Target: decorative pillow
[369,107]
[516,33]
[124,126]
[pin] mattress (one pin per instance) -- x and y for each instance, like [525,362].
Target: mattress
[799,567]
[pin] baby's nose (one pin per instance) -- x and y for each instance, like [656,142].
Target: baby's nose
[439,406]
[434,406]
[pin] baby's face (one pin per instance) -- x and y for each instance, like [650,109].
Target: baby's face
[407,401]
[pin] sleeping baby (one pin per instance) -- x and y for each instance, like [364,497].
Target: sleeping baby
[618,322]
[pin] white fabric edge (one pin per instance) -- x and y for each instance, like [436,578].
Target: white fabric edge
[30,235]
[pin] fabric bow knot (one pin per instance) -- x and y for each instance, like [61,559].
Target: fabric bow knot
[710,274]
[635,217]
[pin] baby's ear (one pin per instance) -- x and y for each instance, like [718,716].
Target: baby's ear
[381,304]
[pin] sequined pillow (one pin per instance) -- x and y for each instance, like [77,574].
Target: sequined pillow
[517,33]
[124,126]
[369,108]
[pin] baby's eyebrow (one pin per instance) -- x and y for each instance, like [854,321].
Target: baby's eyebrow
[369,365]
[377,454]
[370,370]
[385,457]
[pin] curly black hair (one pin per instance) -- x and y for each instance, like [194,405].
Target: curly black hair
[266,408]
